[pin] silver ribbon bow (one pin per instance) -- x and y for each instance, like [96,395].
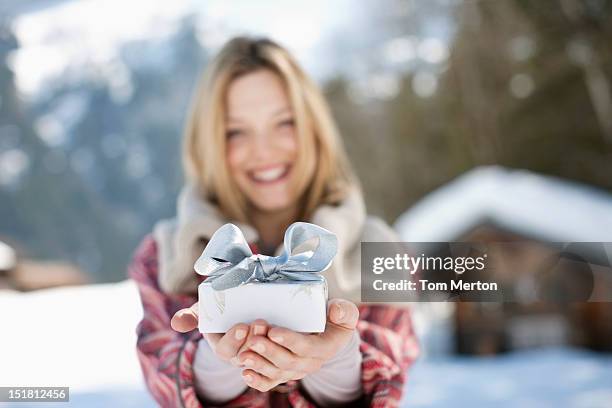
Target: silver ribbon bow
[228,261]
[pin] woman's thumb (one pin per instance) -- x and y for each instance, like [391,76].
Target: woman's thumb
[342,313]
[185,319]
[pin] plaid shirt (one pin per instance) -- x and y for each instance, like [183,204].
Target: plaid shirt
[388,346]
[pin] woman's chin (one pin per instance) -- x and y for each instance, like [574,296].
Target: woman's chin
[271,206]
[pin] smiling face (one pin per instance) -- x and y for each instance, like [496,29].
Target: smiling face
[261,140]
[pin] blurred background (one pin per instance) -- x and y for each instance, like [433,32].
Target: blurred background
[464,119]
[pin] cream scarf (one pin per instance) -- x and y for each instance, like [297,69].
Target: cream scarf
[181,240]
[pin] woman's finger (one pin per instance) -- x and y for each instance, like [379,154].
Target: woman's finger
[282,357]
[258,381]
[185,320]
[342,318]
[343,313]
[301,344]
[228,345]
[252,360]
[258,327]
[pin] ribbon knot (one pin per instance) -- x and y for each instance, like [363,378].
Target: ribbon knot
[228,261]
[266,265]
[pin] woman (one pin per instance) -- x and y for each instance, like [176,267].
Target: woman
[261,150]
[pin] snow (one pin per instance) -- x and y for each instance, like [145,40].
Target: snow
[84,34]
[538,206]
[82,40]
[82,337]
[537,378]
[8,258]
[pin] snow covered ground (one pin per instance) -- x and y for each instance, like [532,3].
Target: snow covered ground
[83,337]
[538,378]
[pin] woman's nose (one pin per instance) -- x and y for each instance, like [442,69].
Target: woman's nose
[261,147]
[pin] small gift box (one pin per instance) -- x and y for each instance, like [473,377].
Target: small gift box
[287,290]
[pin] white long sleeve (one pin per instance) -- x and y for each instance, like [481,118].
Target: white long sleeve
[339,379]
[216,381]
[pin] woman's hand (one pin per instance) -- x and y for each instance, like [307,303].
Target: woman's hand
[285,355]
[225,345]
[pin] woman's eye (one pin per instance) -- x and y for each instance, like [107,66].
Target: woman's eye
[233,133]
[287,123]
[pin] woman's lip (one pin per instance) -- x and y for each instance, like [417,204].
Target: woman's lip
[280,178]
[268,167]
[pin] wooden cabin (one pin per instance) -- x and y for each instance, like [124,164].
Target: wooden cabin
[17,273]
[493,204]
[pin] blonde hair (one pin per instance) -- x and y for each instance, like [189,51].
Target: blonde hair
[204,147]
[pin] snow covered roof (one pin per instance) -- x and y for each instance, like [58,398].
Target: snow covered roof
[8,258]
[538,206]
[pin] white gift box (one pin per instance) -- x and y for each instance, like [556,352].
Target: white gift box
[297,305]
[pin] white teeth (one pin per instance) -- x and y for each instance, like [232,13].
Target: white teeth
[270,174]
